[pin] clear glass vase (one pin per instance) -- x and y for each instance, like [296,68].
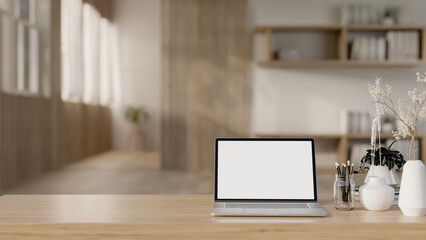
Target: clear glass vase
[343,190]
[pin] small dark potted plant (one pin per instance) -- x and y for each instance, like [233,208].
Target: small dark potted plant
[384,158]
[389,158]
[388,18]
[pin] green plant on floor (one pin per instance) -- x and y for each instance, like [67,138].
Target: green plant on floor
[136,115]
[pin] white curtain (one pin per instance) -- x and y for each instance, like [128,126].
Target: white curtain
[105,73]
[71,47]
[91,56]
[86,58]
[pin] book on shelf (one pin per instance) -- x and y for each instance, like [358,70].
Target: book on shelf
[368,48]
[355,122]
[403,45]
[394,46]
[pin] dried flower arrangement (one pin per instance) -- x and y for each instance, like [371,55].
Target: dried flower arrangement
[408,115]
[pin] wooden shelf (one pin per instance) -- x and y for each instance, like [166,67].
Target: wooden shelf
[366,136]
[289,135]
[338,63]
[262,29]
[382,27]
[277,28]
[341,58]
[342,141]
[325,136]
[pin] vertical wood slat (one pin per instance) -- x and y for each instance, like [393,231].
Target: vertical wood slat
[23,139]
[26,136]
[2,141]
[422,147]
[205,83]
[342,51]
[268,41]
[238,58]
[86,130]
[3,144]
[197,70]
[422,44]
[166,146]
[55,76]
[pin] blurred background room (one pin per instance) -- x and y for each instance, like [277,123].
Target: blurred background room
[127,96]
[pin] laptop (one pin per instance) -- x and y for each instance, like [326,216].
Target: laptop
[265,177]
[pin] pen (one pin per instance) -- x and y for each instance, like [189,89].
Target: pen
[344,170]
[338,169]
[349,168]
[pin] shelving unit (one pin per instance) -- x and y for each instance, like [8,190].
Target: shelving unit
[343,140]
[337,36]
[338,63]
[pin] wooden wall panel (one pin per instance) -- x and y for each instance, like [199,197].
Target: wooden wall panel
[24,136]
[86,131]
[205,82]
[26,132]
[73,132]
[55,76]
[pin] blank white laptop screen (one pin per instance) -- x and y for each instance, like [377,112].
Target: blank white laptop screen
[265,170]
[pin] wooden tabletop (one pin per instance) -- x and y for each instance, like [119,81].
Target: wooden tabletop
[183,217]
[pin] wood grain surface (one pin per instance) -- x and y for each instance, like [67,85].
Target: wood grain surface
[185,217]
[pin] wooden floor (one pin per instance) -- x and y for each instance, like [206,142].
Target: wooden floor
[118,172]
[131,172]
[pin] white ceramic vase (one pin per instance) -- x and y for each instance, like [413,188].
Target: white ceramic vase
[382,171]
[376,195]
[412,193]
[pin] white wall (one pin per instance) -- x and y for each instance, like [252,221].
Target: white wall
[307,99]
[138,28]
[293,100]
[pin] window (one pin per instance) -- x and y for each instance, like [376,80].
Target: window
[86,62]
[24,46]
[7,46]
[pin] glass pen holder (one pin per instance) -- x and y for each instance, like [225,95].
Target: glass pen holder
[343,191]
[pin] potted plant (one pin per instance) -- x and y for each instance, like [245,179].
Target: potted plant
[383,159]
[136,137]
[412,195]
[388,18]
[136,114]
